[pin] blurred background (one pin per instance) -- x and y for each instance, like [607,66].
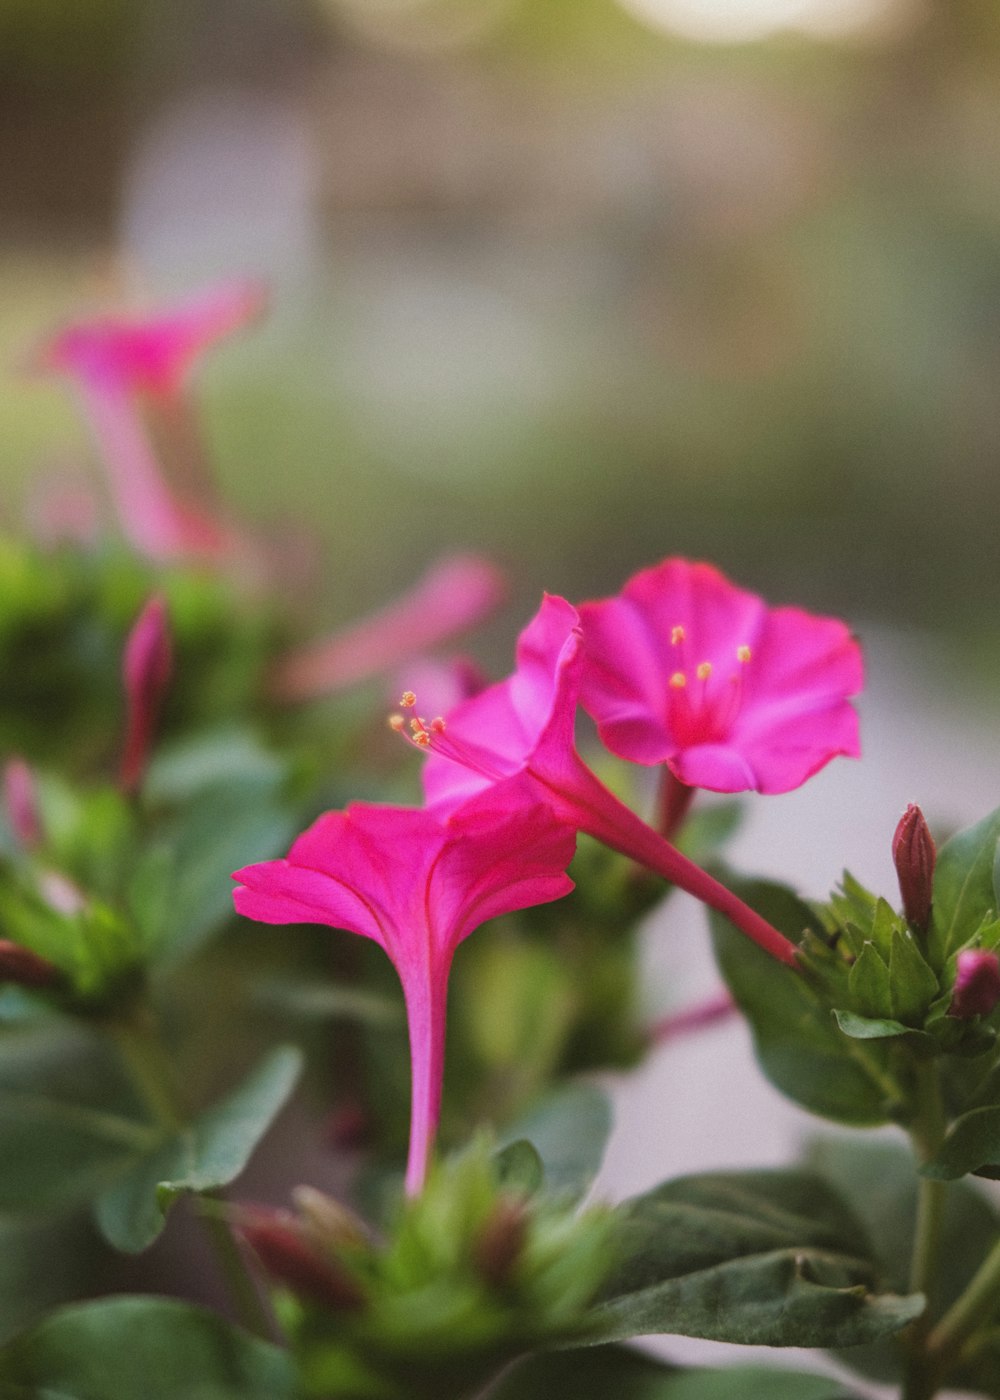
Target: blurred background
[579,282]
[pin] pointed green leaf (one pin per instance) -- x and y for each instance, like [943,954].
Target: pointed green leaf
[798,1044]
[869,984]
[520,1168]
[972,1145]
[210,1153]
[143,1349]
[868,1027]
[964,891]
[569,1131]
[763,1258]
[914,985]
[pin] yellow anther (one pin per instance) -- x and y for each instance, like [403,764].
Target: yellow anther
[417,725]
[678,680]
[407,699]
[421,737]
[677,635]
[743,653]
[437,725]
[704,670]
[397,723]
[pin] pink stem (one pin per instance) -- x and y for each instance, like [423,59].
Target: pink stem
[145,508]
[426,995]
[595,810]
[692,1018]
[675,799]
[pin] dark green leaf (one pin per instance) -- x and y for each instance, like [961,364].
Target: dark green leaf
[798,1043]
[914,985]
[972,1145]
[142,1349]
[65,1121]
[764,1258]
[210,1153]
[569,1130]
[869,984]
[963,884]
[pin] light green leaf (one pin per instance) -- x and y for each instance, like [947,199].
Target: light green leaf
[964,891]
[869,984]
[143,1349]
[868,1027]
[208,1154]
[914,985]
[972,1145]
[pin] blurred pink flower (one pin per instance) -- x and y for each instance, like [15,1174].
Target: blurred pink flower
[977,983]
[456,592]
[20,799]
[146,668]
[114,361]
[525,724]
[417,882]
[685,669]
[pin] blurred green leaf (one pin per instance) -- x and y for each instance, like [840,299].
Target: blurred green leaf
[798,1043]
[208,1154]
[972,1145]
[520,1168]
[594,1373]
[569,1130]
[143,1349]
[868,1027]
[759,1258]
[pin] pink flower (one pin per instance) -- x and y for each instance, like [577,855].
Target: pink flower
[417,882]
[525,725]
[456,592]
[146,669]
[685,669]
[114,361]
[20,799]
[977,983]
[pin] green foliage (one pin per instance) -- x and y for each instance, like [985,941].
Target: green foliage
[200,1156]
[965,894]
[765,1258]
[473,1272]
[798,1043]
[972,1145]
[143,1349]
[568,1130]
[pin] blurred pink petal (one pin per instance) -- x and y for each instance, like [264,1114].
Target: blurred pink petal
[684,668]
[147,665]
[417,883]
[114,361]
[20,799]
[977,983]
[456,593]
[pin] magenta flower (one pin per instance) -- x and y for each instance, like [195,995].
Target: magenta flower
[456,592]
[977,983]
[20,800]
[417,882]
[146,669]
[525,725]
[685,669]
[116,361]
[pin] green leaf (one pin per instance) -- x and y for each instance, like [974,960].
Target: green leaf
[972,1145]
[798,1044]
[869,984]
[964,892]
[64,1118]
[520,1168]
[143,1349]
[208,1154]
[869,1028]
[569,1131]
[759,1258]
[914,985]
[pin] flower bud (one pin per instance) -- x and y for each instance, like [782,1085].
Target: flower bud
[501,1242]
[326,1222]
[977,984]
[288,1256]
[147,665]
[24,968]
[20,802]
[914,854]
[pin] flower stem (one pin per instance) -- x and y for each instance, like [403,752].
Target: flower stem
[250,1310]
[977,1304]
[675,799]
[921,1373]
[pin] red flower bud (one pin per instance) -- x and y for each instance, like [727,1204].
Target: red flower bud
[977,984]
[21,803]
[501,1242]
[914,854]
[148,662]
[286,1254]
[25,968]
